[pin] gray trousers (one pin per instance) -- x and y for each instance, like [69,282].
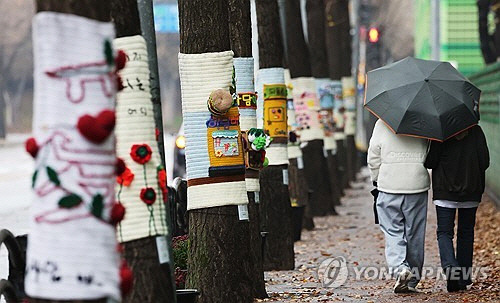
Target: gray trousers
[403,218]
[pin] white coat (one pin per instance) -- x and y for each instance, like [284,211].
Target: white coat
[396,162]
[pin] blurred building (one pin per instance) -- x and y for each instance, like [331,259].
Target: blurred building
[458,33]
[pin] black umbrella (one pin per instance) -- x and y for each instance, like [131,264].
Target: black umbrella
[422,98]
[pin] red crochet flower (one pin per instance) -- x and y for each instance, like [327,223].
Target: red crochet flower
[141,153]
[148,195]
[117,213]
[162,182]
[120,166]
[125,178]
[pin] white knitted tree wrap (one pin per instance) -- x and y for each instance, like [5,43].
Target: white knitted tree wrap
[276,152]
[200,74]
[135,125]
[306,106]
[71,252]
[243,70]
[348,90]
[293,148]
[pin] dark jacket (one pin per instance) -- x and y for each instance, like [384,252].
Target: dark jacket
[458,166]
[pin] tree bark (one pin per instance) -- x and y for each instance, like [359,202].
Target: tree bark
[240,36]
[335,182]
[275,207]
[276,218]
[319,68]
[153,282]
[92,9]
[299,191]
[314,161]
[338,38]
[126,18]
[203,26]
[316,36]
[486,40]
[219,261]
[240,28]
[269,29]
[338,46]
[298,51]
[351,157]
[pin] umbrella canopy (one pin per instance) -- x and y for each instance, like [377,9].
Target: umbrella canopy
[422,98]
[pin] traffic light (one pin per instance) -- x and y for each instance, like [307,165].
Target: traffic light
[373,49]
[373,35]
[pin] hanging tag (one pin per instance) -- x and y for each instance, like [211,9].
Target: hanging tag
[243,212]
[256,197]
[325,152]
[334,151]
[162,247]
[300,163]
[285,176]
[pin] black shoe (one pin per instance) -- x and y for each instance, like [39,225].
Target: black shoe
[452,278]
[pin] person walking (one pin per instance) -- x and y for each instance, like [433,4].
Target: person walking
[458,180]
[396,166]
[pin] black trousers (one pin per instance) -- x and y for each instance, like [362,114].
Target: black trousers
[465,239]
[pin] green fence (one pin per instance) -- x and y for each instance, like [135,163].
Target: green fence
[488,80]
[458,33]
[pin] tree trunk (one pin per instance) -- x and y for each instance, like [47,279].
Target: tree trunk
[338,38]
[276,218]
[486,40]
[314,160]
[3,124]
[240,28]
[316,36]
[275,207]
[219,261]
[240,35]
[92,9]
[319,68]
[153,282]
[151,279]
[298,52]
[338,46]
[299,191]
[270,40]
[351,157]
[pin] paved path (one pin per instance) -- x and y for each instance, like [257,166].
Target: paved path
[354,236]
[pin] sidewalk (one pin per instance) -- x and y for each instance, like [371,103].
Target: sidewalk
[354,236]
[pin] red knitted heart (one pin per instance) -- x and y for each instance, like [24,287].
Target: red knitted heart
[97,129]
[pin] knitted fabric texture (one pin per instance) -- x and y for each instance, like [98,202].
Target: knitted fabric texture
[327,99]
[350,105]
[293,148]
[338,109]
[214,160]
[243,70]
[277,152]
[135,125]
[306,104]
[71,252]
